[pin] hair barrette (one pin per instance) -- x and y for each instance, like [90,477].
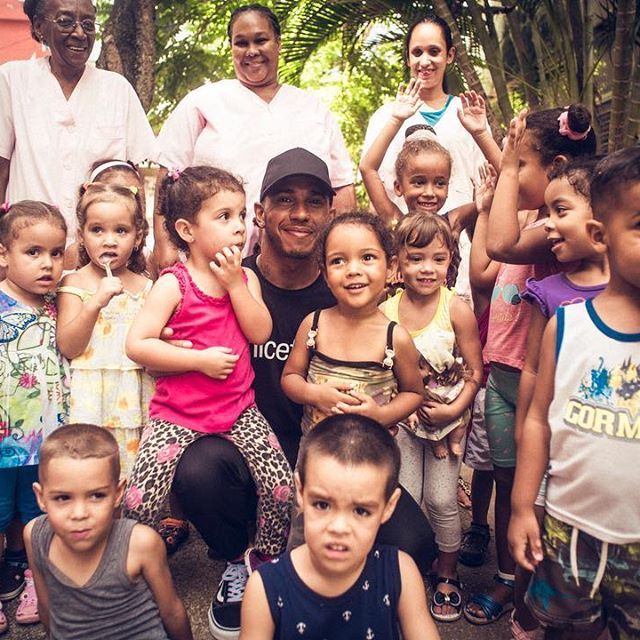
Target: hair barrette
[5,206]
[174,173]
[133,190]
[565,130]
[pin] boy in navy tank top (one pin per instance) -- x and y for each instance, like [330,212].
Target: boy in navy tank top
[339,584]
[584,423]
[96,576]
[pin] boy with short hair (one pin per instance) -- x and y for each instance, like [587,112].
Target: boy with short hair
[338,584]
[96,577]
[585,422]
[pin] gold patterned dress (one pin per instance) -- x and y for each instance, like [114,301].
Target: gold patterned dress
[107,388]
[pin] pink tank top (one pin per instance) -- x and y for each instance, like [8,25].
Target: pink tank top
[193,399]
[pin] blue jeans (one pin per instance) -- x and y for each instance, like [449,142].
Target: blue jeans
[17,496]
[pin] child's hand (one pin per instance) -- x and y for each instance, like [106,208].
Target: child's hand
[328,396]
[109,286]
[484,188]
[524,539]
[217,362]
[511,151]
[362,404]
[473,113]
[227,267]
[436,414]
[407,100]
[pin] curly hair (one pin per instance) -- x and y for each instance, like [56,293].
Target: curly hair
[358,218]
[130,198]
[183,192]
[420,229]
[414,147]
[550,143]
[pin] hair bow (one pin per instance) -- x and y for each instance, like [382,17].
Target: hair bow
[174,173]
[5,206]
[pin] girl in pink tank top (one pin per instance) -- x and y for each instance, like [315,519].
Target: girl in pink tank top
[216,304]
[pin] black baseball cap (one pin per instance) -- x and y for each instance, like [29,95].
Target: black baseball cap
[296,162]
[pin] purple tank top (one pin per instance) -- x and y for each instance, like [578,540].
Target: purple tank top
[193,399]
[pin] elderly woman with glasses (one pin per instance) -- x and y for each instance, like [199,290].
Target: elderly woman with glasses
[59,115]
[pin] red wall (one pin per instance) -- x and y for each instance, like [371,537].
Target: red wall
[15,33]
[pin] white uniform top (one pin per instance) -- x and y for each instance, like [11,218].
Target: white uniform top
[466,158]
[226,125]
[52,142]
[594,470]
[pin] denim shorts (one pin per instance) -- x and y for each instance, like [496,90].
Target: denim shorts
[16,495]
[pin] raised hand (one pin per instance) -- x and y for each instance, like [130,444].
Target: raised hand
[227,267]
[484,187]
[511,151]
[473,112]
[217,362]
[407,100]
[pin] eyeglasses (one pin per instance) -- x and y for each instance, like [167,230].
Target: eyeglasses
[67,24]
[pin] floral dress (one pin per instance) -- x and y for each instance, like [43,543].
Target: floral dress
[34,382]
[107,388]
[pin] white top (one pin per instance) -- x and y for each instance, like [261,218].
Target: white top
[226,125]
[595,427]
[52,142]
[466,158]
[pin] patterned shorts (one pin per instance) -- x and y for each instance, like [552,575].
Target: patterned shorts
[561,602]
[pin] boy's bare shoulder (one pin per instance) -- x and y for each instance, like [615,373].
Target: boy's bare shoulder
[144,538]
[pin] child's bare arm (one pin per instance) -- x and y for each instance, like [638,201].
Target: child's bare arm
[256,620]
[462,217]
[144,345]
[77,318]
[406,104]
[38,579]
[483,271]
[294,377]
[505,240]
[527,383]
[246,297]
[410,388]
[413,615]
[147,556]
[473,117]
[532,460]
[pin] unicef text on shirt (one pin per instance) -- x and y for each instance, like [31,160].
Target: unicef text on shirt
[272,350]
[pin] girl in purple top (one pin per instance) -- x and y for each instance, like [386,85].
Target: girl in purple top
[217,305]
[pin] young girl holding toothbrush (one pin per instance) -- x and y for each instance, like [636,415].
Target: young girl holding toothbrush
[217,305]
[97,305]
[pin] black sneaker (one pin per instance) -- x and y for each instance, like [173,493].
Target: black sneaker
[224,612]
[474,547]
[224,621]
[11,580]
[232,584]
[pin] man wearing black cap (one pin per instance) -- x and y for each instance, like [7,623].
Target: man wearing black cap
[212,482]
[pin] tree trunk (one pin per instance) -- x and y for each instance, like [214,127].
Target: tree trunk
[528,77]
[129,47]
[441,8]
[633,119]
[493,57]
[622,59]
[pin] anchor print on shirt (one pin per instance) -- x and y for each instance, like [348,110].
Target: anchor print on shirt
[301,626]
[346,615]
[365,586]
[370,635]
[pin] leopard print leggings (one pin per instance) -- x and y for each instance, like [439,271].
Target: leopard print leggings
[161,448]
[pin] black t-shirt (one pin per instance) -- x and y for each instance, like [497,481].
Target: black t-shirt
[288,308]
